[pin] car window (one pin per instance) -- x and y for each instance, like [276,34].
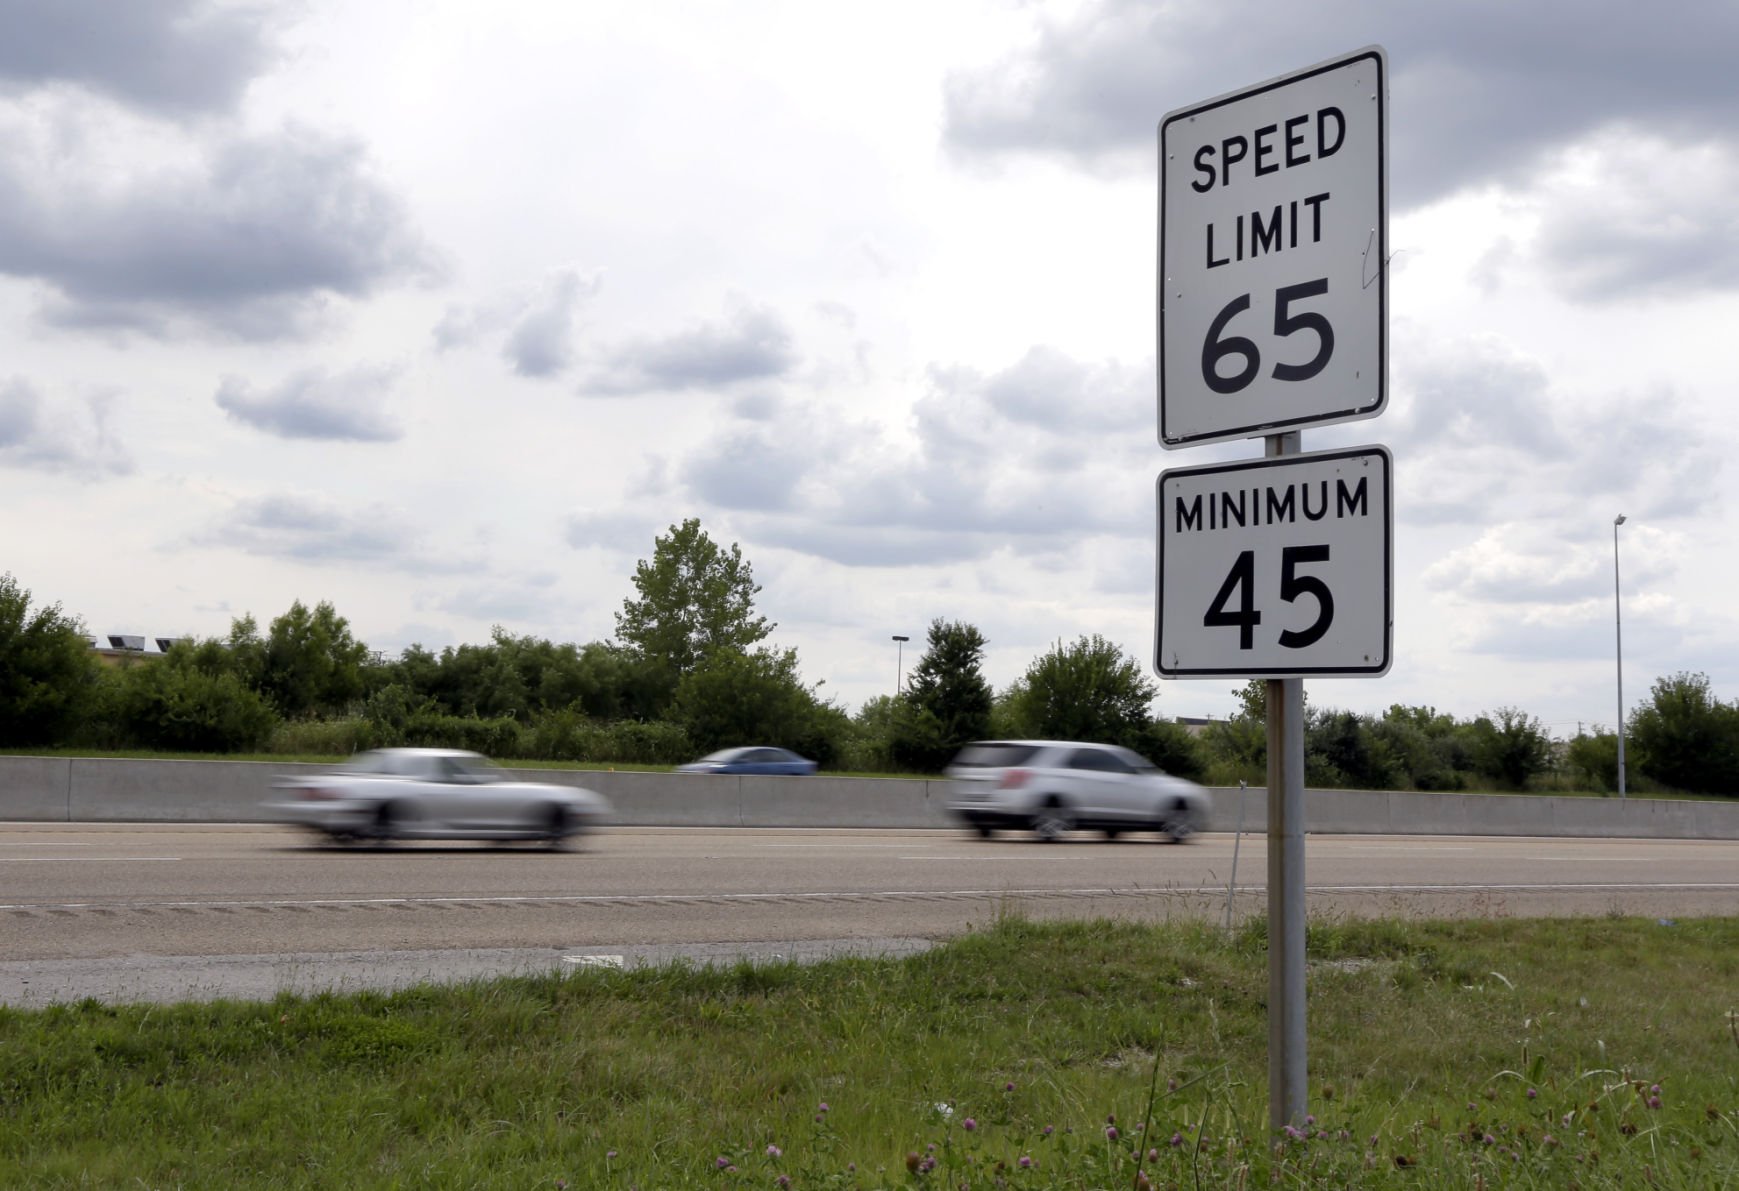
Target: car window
[372,761]
[423,768]
[474,771]
[994,755]
[721,755]
[1135,761]
[1097,761]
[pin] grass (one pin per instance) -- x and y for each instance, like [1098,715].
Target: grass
[1510,1053]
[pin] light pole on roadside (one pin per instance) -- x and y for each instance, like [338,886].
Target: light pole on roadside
[899,662]
[1618,628]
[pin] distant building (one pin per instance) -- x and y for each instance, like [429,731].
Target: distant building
[118,648]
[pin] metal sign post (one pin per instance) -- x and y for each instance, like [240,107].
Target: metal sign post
[1286,927]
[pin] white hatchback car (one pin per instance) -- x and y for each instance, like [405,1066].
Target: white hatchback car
[1054,786]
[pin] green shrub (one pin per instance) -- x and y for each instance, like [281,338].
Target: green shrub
[647,743]
[567,735]
[173,704]
[491,737]
[1170,746]
[324,738]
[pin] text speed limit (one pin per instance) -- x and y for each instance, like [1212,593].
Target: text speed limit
[1276,568]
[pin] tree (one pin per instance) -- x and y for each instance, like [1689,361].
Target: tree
[48,672]
[1087,690]
[734,698]
[694,598]
[1170,746]
[1511,748]
[1237,750]
[1593,759]
[1687,738]
[311,664]
[870,744]
[946,701]
[192,699]
[1253,701]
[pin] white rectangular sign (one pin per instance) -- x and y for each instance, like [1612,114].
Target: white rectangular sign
[1276,568]
[1273,236]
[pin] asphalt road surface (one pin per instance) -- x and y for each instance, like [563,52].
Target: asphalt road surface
[168,912]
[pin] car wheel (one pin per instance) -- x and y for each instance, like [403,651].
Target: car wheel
[1052,822]
[1113,832]
[983,830]
[1180,824]
[388,819]
[557,826]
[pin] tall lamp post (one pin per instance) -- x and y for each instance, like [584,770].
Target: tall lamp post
[899,662]
[1618,628]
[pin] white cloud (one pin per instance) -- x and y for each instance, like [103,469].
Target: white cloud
[316,404]
[61,436]
[169,56]
[751,343]
[1627,216]
[244,234]
[542,340]
[297,527]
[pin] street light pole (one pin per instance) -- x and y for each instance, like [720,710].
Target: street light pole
[1618,628]
[899,662]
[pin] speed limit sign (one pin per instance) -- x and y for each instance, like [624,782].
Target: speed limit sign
[1276,568]
[1273,235]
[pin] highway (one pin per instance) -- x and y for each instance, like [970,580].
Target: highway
[154,912]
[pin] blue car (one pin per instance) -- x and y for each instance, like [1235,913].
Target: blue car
[751,760]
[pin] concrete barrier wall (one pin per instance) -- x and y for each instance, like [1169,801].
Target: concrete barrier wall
[99,790]
[35,788]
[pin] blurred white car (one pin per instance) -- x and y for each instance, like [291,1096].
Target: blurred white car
[390,794]
[1052,787]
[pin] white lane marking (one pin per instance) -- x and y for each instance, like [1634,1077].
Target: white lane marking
[1004,858]
[840,847]
[81,859]
[46,844]
[1387,849]
[594,961]
[605,899]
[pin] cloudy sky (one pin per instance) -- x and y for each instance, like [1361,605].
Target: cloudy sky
[442,311]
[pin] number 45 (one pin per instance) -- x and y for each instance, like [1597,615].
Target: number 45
[1241,581]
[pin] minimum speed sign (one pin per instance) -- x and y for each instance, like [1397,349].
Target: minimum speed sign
[1277,567]
[1273,296]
